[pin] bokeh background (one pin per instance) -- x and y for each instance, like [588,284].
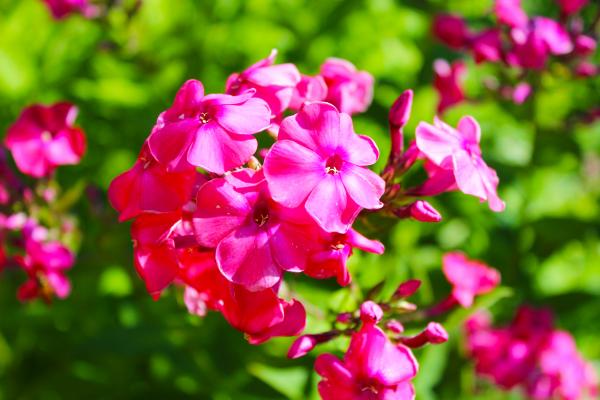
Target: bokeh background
[109,339]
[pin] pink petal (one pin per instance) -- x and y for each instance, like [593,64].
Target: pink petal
[245,258]
[169,144]
[316,127]
[292,171]
[435,143]
[290,245]
[157,266]
[470,130]
[359,149]
[330,205]
[220,210]
[293,324]
[30,158]
[275,75]
[248,118]
[218,151]
[363,185]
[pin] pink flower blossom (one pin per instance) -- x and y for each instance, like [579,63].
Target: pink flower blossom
[319,160]
[585,45]
[572,6]
[274,83]
[510,13]
[43,137]
[534,43]
[149,187]
[63,8]
[373,368]
[487,46]
[469,278]
[310,88]
[521,92]
[448,82]
[331,251]
[214,132]
[457,152]
[45,263]
[451,30]
[255,238]
[351,91]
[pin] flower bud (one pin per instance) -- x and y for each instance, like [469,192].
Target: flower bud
[370,312]
[585,45]
[408,288]
[433,333]
[395,326]
[420,210]
[301,346]
[451,30]
[400,110]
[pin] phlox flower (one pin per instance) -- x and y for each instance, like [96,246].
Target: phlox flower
[351,91]
[451,30]
[214,132]
[448,82]
[319,161]
[43,138]
[456,158]
[310,88]
[63,8]
[469,278]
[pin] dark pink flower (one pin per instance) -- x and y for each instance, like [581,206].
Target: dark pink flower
[534,43]
[469,278]
[214,132]
[521,92]
[585,45]
[310,88]
[510,13]
[451,30]
[373,368]
[331,252]
[274,83]
[255,238]
[63,8]
[448,82]
[351,91]
[43,137]
[456,152]
[319,160]
[45,263]
[487,46]
[149,187]
[572,6]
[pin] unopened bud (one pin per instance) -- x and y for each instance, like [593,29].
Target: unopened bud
[434,333]
[370,312]
[395,326]
[408,288]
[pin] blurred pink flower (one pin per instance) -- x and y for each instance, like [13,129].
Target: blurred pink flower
[63,8]
[351,91]
[214,132]
[310,88]
[469,278]
[448,82]
[320,161]
[572,6]
[43,138]
[451,30]
[510,13]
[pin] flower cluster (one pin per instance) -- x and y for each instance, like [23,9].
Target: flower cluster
[32,232]
[532,355]
[210,216]
[519,43]
[63,8]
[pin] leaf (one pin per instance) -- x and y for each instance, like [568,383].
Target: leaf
[290,382]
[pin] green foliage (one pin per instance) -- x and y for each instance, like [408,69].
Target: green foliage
[110,339]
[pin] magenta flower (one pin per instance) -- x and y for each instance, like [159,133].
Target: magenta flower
[63,8]
[319,160]
[487,46]
[351,91]
[310,88]
[149,187]
[255,238]
[451,30]
[469,278]
[43,137]
[535,42]
[448,82]
[214,132]
[510,13]
[572,6]
[457,151]
[373,367]
[45,263]
[274,83]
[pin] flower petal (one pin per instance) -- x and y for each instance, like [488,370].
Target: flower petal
[330,205]
[363,185]
[248,118]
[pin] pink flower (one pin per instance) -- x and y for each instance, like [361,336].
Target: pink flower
[62,8]
[255,238]
[45,263]
[510,13]
[373,368]
[261,315]
[149,187]
[351,91]
[521,92]
[451,30]
[214,132]
[448,82]
[572,6]
[331,251]
[469,278]
[43,137]
[457,151]
[487,46]
[274,83]
[310,88]
[319,160]
[535,42]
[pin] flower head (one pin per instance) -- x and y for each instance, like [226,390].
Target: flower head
[351,91]
[43,138]
[319,161]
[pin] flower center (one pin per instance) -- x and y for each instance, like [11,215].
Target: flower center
[46,136]
[204,117]
[261,215]
[334,164]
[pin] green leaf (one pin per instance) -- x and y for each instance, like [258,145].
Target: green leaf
[290,382]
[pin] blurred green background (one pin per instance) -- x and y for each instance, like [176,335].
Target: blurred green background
[110,340]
